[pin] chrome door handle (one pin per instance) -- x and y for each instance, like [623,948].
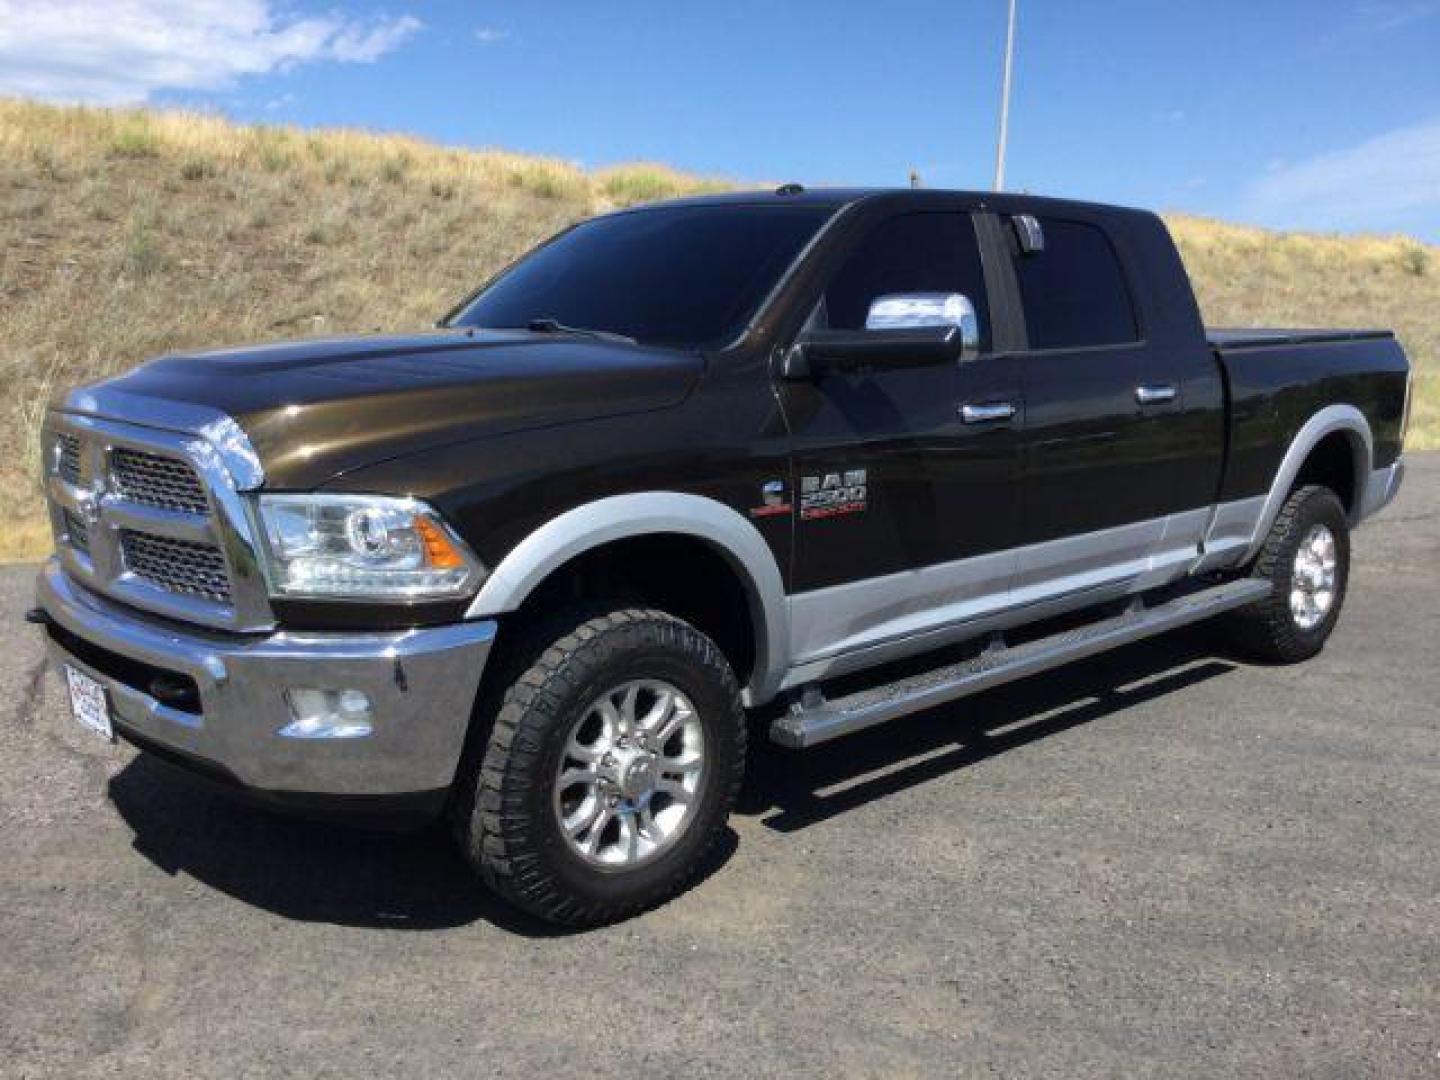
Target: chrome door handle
[988,413]
[1154,395]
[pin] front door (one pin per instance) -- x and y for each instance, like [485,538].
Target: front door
[904,511]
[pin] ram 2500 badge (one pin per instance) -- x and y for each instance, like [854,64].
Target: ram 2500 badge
[682,466]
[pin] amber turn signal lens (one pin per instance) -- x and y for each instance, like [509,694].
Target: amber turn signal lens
[440,552]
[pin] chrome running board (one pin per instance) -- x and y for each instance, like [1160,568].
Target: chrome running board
[813,719]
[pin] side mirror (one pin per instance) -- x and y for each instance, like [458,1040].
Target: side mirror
[924,311]
[901,330]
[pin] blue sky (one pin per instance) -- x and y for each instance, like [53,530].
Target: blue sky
[1321,114]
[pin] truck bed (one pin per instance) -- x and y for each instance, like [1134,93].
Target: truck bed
[1252,338]
[1278,379]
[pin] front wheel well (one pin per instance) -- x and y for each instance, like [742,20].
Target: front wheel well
[681,575]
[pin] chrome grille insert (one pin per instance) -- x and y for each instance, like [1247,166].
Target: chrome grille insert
[156,480]
[77,531]
[67,461]
[177,566]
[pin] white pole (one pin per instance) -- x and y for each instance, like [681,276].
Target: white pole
[1005,103]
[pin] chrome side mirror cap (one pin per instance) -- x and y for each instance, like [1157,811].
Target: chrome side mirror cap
[926,311]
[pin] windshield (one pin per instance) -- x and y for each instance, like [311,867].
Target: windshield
[686,276]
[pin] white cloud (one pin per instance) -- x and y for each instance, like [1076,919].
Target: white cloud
[489,35]
[1395,16]
[121,51]
[1391,181]
[357,44]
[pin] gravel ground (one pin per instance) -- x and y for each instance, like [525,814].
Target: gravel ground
[1162,862]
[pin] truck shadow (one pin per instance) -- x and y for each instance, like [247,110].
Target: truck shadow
[790,791]
[316,872]
[309,871]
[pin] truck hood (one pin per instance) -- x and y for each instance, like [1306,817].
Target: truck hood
[316,409]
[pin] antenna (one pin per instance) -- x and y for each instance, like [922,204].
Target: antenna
[1005,102]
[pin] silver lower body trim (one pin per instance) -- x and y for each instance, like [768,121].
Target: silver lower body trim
[421,684]
[849,627]
[1231,532]
[1381,488]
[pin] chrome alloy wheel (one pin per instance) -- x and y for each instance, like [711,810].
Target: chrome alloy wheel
[629,777]
[1312,579]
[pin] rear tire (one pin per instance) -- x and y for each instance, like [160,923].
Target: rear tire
[1306,557]
[611,767]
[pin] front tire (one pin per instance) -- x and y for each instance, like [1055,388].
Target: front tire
[611,767]
[1306,558]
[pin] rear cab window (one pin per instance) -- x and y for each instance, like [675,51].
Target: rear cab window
[1074,292]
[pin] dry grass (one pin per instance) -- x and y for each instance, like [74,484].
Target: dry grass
[124,234]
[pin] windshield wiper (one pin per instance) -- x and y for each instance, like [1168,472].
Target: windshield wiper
[555,326]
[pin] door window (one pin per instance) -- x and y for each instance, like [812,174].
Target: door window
[911,253]
[1074,291]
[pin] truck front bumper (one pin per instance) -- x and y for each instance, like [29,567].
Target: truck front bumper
[223,704]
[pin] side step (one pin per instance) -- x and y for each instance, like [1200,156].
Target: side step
[814,720]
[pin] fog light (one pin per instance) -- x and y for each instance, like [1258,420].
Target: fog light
[328,714]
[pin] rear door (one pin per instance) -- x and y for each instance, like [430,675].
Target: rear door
[1092,512]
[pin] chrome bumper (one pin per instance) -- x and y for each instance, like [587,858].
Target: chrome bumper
[421,685]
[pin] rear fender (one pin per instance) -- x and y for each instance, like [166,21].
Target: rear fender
[1346,419]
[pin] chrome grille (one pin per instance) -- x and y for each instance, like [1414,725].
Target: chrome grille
[77,531]
[67,462]
[177,566]
[156,480]
[158,518]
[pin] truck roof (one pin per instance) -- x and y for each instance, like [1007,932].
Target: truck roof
[834,198]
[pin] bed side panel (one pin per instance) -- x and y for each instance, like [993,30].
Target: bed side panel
[1275,388]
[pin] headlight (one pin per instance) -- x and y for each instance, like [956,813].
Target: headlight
[362,547]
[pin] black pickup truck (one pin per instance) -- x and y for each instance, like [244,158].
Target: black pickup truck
[680,468]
